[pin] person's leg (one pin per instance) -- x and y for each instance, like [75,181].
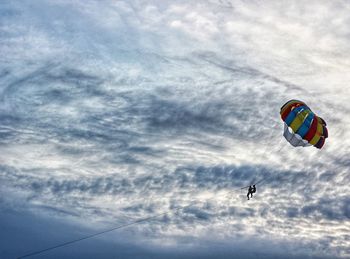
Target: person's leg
[248,195]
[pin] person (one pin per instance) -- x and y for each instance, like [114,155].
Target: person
[250,191]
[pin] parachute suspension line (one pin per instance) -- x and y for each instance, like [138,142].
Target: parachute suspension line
[271,176]
[264,179]
[174,209]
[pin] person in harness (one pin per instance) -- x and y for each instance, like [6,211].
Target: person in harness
[251,190]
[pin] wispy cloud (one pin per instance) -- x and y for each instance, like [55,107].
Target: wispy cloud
[122,113]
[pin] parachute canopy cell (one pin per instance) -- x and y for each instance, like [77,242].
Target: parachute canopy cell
[302,127]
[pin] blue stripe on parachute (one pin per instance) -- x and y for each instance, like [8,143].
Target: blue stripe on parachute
[293,113]
[304,128]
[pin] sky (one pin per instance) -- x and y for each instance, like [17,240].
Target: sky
[114,111]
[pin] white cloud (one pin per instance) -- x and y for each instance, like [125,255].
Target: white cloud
[118,110]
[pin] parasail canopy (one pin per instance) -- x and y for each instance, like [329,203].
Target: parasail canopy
[302,127]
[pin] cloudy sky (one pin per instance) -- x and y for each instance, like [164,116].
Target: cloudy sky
[113,111]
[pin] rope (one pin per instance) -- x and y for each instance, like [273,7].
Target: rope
[114,228]
[175,209]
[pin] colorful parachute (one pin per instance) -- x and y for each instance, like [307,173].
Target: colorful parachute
[301,126]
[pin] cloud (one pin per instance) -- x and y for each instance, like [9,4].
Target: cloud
[143,106]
